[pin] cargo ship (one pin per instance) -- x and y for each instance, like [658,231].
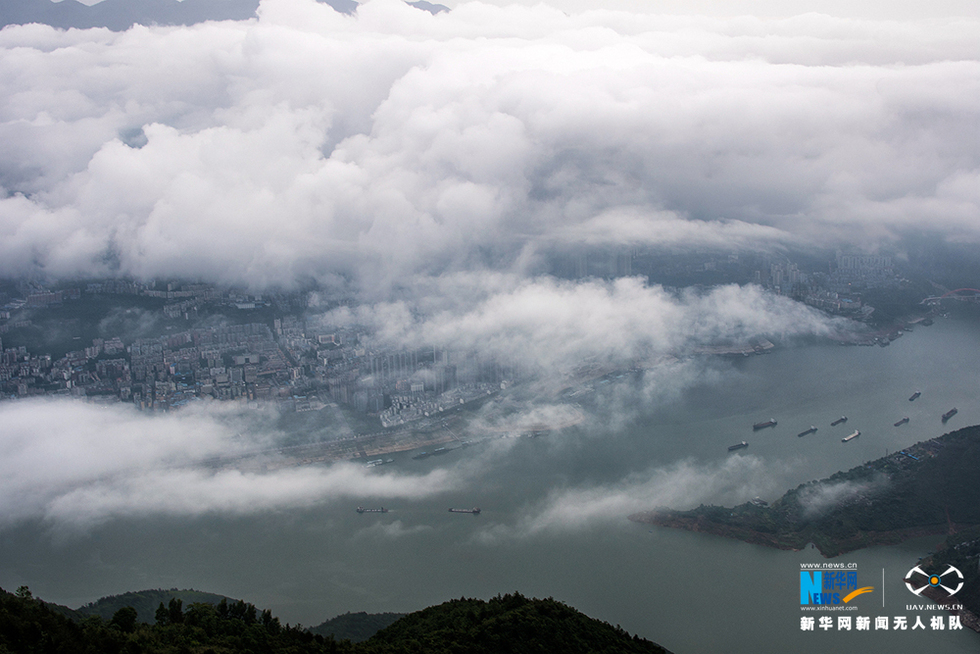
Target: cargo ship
[762,425]
[851,437]
[840,420]
[361,509]
[914,396]
[902,421]
[737,446]
[949,414]
[808,431]
[422,455]
[475,510]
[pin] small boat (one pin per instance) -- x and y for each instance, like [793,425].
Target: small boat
[762,425]
[808,431]
[902,421]
[949,414]
[737,446]
[915,395]
[839,421]
[850,437]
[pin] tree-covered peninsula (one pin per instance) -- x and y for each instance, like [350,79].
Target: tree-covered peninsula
[928,488]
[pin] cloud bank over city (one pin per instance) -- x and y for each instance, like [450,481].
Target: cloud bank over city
[392,144]
[551,326]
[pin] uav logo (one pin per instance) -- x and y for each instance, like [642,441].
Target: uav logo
[828,587]
[933,581]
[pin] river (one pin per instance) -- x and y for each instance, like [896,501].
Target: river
[553,520]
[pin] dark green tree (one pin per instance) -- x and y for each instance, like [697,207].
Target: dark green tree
[175,611]
[125,619]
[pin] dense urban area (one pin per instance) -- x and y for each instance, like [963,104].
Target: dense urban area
[196,341]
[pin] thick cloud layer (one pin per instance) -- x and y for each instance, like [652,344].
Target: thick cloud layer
[395,143]
[76,465]
[548,325]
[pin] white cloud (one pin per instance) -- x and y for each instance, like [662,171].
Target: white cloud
[682,485]
[819,498]
[548,325]
[395,143]
[75,465]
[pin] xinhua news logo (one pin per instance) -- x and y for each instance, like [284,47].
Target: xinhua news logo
[918,580]
[828,587]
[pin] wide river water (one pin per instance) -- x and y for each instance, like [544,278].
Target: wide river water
[554,512]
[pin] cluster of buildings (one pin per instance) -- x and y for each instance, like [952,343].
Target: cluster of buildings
[297,364]
[224,363]
[854,272]
[403,385]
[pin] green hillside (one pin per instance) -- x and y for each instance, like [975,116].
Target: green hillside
[357,627]
[511,623]
[146,602]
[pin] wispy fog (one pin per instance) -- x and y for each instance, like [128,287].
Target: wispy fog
[682,485]
[75,465]
[820,499]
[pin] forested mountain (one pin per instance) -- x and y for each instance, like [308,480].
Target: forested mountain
[355,626]
[508,623]
[146,602]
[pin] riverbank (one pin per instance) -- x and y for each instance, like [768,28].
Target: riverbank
[925,489]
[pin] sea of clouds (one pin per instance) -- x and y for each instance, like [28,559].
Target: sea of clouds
[427,164]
